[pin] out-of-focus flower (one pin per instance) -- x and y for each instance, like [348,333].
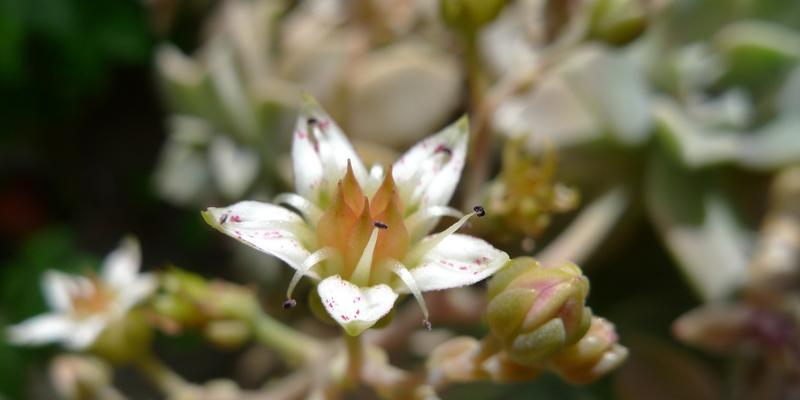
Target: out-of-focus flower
[524,197]
[84,307]
[593,356]
[363,234]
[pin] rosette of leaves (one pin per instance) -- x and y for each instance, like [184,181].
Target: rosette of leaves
[681,120]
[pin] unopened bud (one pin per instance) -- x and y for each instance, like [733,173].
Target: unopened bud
[536,311]
[618,21]
[79,377]
[593,356]
[470,15]
[227,334]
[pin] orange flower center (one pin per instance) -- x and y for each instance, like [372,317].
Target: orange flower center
[92,301]
[349,221]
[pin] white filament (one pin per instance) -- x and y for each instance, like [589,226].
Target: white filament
[312,260]
[307,208]
[402,272]
[361,273]
[429,243]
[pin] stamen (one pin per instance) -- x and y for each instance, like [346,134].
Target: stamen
[305,207]
[312,260]
[402,272]
[361,273]
[427,245]
[431,212]
[289,303]
[381,225]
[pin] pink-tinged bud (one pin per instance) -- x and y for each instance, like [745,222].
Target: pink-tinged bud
[79,377]
[535,311]
[593,356]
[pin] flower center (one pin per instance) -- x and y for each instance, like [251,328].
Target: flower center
[91,297]
[363,232]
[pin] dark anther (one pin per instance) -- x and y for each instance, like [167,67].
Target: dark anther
[479,211]
[427,324]
[312,121]
[223,218]
[381,225]
[289,303]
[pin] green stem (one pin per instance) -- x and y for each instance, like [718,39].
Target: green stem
[355,357]
[294,347]
[481,131]
[162,376]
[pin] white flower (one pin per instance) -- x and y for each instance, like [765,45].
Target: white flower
[364,235]
[83,306]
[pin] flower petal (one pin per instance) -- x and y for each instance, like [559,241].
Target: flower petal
[429,172]
[355,308]
[320,152]
[41,329]
[121,266]
[142,287]
[265,227]
[458,260]
[84,332]
[57,287]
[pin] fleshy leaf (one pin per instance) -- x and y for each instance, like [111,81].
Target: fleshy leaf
[355,308]
[320,153]
[459,260]
[265,227]
[428,173]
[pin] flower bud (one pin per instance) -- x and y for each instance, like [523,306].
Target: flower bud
[79,377]
[470,15]
[618,21]
[593,356]
[125,339]
[536,311]
[227,334]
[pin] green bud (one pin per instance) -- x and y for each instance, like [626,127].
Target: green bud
[593,356]
[618,21]
[536,311]
[227,334]
[125,339]
[470,15]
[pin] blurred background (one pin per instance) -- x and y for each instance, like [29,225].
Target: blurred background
[658,143]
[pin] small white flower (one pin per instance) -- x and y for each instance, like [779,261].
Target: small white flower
[83,306]
[364,235]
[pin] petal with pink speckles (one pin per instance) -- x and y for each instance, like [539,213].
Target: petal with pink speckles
[355,308]
[320,152]
[458,260]
[266,227]
[428,173]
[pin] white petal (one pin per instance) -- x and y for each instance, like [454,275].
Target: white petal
[429,172]
[355,308]
[142,287]
[320,152]
[121,266]
[41,329]
[265,227]
[57,287]
[458,260]
[84,332]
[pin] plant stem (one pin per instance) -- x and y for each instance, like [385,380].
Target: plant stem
[481,132]
[162,376]
[355,357]
[294,347]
